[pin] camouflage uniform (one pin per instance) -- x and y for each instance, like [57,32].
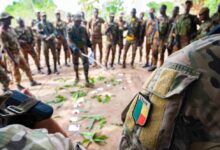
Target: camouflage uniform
[19,137]
[141,38]
[8,41]
[46,29]
[26,41]
[60,32]
[160,39]
[37,39]
[204,28]
[185,30]
[95,26]
[78,38]
[216,19]
[150,29]
[132,39]
[178,107]
[4,79]
[112,31]
[120,42]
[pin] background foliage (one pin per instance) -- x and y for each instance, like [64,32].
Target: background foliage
[27,8]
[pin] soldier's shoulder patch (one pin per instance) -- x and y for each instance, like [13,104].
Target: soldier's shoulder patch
[141,110]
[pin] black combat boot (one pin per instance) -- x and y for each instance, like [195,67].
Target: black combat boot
[20,87]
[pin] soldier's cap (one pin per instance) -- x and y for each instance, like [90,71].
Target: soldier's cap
[204,10]
[5,15]
[19,19]
[189,1]
[111,14]
[77,17]
[68,14]
[152,10]
[57,12]
[43,14]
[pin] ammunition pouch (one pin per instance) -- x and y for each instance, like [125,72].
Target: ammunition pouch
[18,108]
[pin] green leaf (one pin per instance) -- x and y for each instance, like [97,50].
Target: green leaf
[92,80]
[77,94]
[59,99]
[101,78]
[101,98]
[93,137]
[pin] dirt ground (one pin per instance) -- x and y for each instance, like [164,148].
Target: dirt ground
[120,84]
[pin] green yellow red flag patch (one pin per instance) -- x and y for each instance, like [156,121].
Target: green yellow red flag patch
[141,110]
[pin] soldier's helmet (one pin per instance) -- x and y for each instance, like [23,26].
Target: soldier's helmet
[78,17]
[204,10]
[5,15]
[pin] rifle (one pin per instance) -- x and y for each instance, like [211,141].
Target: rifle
[156,29]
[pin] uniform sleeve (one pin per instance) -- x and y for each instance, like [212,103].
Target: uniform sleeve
[102,20]
[3,41]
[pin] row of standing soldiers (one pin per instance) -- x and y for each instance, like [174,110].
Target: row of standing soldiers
[76,35]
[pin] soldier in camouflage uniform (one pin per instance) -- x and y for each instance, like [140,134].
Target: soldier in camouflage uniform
[216,17]
[206,23]
[26,41]
[150,31]
[37,36]
[160,38]
[111,32]
[178,108]
[172,26]
[47,32]
[10,44]
[78,41]
[142,35]
[95,30]
[4,79]
[120,43]
[186,27]
[61,42]
[132,38]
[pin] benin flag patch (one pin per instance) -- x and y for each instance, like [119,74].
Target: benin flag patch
[141,110]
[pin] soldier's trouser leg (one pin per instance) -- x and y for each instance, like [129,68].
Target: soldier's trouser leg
[154,56]
[66,51]
[4,79]
[140,52]
[120,51]
[113,54]
[108,49]
[148,47]
[38,47]
[134,49]
[127,46]
[76,64]
[24,51]
[94,49]
[24,66]
[161,50]
[54,53]
[85,61]
[47,57]
[100,51]
[58,47]
[34,56]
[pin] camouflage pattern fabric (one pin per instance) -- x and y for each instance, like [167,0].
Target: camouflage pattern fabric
[204,29]
[216,19]
[121,26]
[4,79]
[95,24]
[8,40]
[20,138]
[150,26]
[184,97]
[133,27]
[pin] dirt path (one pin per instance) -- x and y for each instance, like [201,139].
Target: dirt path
[121,84]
